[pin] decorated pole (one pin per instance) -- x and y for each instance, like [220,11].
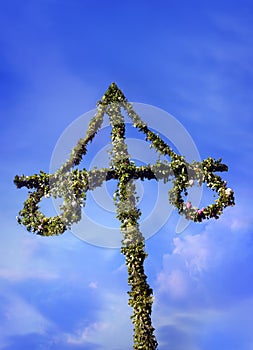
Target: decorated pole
[71,184]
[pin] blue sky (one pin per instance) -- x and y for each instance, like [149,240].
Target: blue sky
[193,60]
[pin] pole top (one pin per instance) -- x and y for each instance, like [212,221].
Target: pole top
[112,95]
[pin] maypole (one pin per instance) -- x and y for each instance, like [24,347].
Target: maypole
[71,184]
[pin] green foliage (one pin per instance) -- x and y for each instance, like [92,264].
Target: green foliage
[72,184]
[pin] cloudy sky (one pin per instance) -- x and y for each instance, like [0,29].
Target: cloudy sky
[192,59]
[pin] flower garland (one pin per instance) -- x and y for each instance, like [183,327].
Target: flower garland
[73,184]
[202,172]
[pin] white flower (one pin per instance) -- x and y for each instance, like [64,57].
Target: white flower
[229,191]
[47,195]
[191,182]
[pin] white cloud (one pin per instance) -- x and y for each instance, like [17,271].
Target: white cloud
[239,218]
[20,318]
[22,258]
[175,283]
[205,328]
[93,285]
[16,275]
[88,333]
[112,330]
[195,251]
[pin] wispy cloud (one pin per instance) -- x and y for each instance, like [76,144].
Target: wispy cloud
[93,285]
[21,275]
[20,317]
[89,332]
[112,319]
